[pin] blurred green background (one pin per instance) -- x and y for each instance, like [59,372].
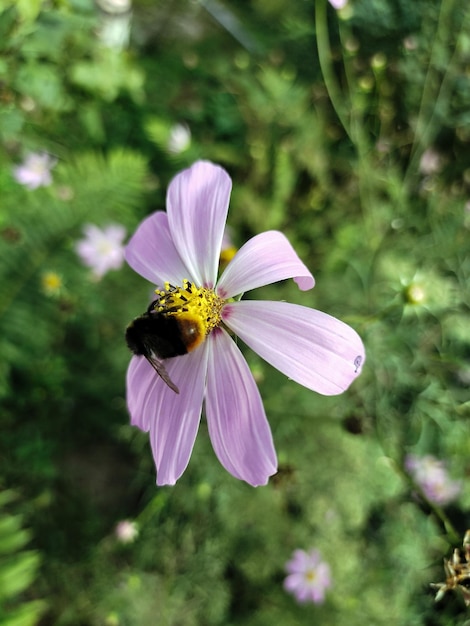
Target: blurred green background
[349,131]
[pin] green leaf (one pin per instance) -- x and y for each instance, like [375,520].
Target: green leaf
[12,536]
[17,573]
[25,615]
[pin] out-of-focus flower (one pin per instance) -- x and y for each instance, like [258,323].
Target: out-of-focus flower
[180,250]
[338,4]
[308,576]
[102,249]
[179,139]
[115,6]
[35,171]
[115,27]
[126,531]
[431,475]
[430,162]
[227,250]
[51,283]
[410,43]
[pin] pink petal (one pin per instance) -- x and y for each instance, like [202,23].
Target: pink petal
[238,427]
[197,205]
[311,347]
[174,418]
[299,562]
[264,259]
[115,233]
[152,253]
[293,582]
[139,383]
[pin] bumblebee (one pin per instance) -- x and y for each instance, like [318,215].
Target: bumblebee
[160,335]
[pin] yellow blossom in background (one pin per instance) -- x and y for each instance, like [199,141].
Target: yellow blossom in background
[51,283]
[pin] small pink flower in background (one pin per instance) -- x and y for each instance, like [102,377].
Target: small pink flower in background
[182,247]
[431,475]
[338,4]
[102,249]
[308,576]
[126,531]
[35,171]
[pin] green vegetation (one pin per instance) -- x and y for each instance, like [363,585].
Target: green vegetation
[347,130]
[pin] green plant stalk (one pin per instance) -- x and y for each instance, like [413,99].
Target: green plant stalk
[152,510]
[324,55]
[349,109]
[425,126]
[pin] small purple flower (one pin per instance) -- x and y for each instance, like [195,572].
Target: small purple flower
[102,249]
[179,250]
[431,475]
[309,577]
[35,171]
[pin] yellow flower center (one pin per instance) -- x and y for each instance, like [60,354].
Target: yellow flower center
[310,575]
[197,310]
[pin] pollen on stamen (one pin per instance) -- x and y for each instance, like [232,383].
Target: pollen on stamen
[190,301]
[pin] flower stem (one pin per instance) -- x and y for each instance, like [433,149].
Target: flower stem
[324,55]
[434,100]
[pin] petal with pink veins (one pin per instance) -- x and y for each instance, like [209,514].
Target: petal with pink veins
[174,418]
[197,205]
[264,259]
[152,253]
[313,348]
[238,427]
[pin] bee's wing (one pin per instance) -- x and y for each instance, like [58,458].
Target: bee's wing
[159,367]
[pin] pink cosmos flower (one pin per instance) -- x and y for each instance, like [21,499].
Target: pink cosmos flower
[182,247]
[431,475]
[35,171]
[102,248]
[309,577]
